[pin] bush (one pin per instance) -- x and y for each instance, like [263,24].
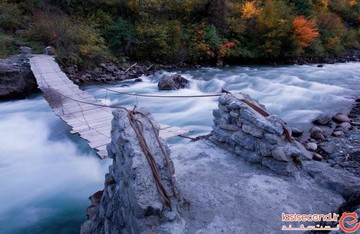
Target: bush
[73,40]
[10,16]
[121,37]
[7,46]
[160,41]
[332,33]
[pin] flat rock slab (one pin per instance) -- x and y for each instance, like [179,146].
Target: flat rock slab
[229,195]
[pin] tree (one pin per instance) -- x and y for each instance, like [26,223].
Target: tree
[303,7]
[273,27]
[332,32]
[305,31]
[217,14]
[249,10]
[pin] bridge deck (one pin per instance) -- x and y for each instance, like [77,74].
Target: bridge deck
[77,108]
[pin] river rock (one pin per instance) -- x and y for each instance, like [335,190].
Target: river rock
[311,146]
[317,134]
[295,132]
[340,118]
[338,133]
[49,50]
[173,82]
[256,132]
[138,80]
[317,157]
[25,50]
[345,126]
[279,154]
[16,79]
[322,120]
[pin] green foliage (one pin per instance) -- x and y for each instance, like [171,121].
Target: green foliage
[159,41]
[121,37]
[332,31]
[303,7]
[7,45]
[211,37]
[10,16]
[73,40]
[274,26]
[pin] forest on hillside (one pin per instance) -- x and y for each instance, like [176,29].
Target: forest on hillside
[176,31]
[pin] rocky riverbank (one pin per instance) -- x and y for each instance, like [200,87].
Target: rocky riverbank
[222,185]
[109,72]
[348,56]
[336,139]
[16,78]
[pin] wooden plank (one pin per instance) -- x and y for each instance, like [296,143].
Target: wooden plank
[102,126]
[73,121]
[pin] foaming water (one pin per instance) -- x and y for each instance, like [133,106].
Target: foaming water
[295,93]
[46,174]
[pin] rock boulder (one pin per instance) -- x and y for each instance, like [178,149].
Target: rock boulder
[173,82]
[16,79]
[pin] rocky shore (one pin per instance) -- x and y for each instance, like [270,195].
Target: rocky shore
[109,72]
[249,170]
[16,78]
[348,56]
[336,139]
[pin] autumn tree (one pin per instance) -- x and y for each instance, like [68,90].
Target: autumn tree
[305,31]
[273,27]
[249,10]
[332,32]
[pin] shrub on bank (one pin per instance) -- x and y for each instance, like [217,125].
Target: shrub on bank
[74,41]
[10,16]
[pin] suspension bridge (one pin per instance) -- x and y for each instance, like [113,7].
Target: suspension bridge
[87,116]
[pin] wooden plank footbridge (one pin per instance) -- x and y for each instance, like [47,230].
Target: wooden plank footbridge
[87,116]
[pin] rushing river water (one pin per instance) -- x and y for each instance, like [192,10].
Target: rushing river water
[47,174]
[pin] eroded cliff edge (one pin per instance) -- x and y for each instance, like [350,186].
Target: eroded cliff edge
[215,190]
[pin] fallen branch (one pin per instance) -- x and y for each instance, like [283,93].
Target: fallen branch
[130,68]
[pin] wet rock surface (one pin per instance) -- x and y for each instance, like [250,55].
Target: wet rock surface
[16,78]
[173,82]
[108,72]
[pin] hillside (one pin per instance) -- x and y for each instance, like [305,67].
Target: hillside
[181,31]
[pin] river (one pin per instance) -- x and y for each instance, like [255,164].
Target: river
[47,174]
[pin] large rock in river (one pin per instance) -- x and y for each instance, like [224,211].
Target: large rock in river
[173,82]
[16,79]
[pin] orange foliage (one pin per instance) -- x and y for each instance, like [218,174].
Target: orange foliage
[334,41]
[323,3]
[249,10]
[305,31]
[352,2]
